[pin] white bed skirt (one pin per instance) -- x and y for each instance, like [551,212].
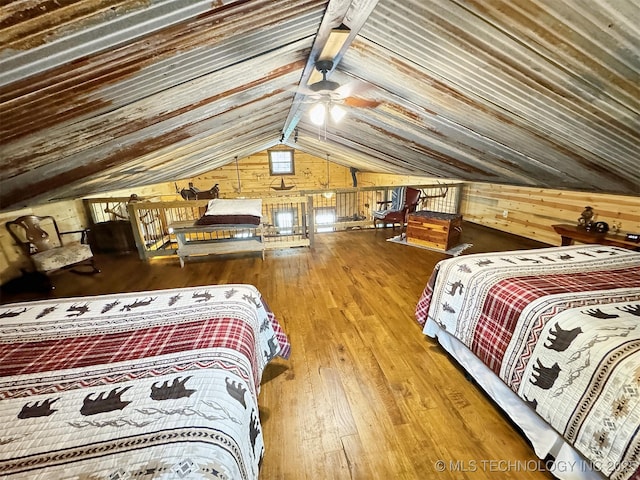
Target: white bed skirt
[569,464]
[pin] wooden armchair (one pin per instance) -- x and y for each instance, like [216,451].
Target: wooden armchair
[404,201]
[47,251]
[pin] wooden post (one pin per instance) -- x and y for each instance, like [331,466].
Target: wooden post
[133,208]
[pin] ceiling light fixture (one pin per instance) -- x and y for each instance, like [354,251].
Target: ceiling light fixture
[337,113]
[318,113]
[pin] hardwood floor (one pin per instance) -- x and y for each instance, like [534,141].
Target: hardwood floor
[365,395]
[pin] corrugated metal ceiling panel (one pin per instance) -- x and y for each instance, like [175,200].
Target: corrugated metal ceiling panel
[99,95]
[502,91]
[158,104]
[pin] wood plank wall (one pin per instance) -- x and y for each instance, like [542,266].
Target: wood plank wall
[252,177]
[530,211]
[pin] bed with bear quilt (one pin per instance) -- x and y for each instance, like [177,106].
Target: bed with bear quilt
[156,384]
[553,336]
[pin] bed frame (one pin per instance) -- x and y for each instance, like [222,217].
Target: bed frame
[194,240]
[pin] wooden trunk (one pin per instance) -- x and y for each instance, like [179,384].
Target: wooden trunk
[434,229]
[112,237]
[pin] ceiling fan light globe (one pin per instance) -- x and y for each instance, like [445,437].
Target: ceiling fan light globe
[337,113]
[317,114]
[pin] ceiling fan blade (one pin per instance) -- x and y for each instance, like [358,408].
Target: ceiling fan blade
[354,87]
[360,102]
[315,95]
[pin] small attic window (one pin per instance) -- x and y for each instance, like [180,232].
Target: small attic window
[281,162]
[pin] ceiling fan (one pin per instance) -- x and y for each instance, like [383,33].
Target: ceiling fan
[328,96]
[327,50]
[324,87]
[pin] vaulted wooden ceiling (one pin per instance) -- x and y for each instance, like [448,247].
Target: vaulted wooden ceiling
[103,95]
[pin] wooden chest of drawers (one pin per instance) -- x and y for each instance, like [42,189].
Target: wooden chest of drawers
[434,229]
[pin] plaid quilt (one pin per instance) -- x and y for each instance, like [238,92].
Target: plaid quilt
[156,384]
[561,327]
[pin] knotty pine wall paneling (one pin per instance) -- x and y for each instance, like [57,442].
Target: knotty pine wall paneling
[311,173]
[252,177]
[530,212]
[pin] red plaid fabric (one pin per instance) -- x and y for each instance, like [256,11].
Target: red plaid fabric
[507,298]
[77,352]
[283,340]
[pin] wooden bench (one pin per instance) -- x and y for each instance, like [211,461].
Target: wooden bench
[216,239]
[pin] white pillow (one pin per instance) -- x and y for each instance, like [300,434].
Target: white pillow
[235,206]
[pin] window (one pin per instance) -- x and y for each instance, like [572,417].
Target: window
[281,162]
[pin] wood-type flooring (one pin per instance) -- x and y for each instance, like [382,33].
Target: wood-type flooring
[365,395]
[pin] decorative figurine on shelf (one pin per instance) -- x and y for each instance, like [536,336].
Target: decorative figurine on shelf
[585,217]
[597,227]
[616,227]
